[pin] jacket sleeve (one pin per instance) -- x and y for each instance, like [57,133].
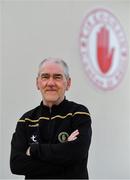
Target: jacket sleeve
[71,151]
[20,163]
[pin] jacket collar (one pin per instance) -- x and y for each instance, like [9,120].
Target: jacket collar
[54,106]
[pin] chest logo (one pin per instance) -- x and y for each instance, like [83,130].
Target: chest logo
[63,136]
[34,138]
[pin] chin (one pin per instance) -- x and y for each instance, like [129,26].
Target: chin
[51,99]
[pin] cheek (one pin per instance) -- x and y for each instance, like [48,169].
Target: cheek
[41,84]
[63,87]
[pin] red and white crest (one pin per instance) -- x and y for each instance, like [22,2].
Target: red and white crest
[103,49]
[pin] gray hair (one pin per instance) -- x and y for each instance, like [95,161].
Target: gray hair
[57,61]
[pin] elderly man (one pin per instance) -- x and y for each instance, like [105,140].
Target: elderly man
[53,139]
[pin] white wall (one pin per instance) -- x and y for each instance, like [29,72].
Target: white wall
[33,30]
[0,91]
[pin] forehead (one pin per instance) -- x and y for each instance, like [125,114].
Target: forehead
[51,68]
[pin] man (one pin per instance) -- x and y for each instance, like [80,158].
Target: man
[53,139]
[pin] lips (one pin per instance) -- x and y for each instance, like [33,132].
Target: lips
[51,90]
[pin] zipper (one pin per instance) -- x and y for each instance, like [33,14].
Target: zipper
[49,126]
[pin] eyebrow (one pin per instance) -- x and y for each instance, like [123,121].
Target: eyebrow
[55,74]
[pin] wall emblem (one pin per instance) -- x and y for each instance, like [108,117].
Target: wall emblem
[103,49]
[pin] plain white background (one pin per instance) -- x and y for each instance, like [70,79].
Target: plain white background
[33,30]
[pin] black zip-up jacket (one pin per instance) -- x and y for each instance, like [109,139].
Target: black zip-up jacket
[46,131]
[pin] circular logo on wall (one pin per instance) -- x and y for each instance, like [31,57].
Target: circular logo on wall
[103,49]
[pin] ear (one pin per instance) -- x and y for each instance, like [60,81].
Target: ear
[37,83]
[68,84]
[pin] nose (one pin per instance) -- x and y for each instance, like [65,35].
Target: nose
[51,82]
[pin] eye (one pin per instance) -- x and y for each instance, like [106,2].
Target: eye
[44,76]
[58,77]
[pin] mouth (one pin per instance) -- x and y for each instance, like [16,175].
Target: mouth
[51,90]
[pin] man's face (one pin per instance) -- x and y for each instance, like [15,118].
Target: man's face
[52,83]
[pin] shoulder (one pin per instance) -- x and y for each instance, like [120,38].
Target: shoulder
[31,113]
[80,113]
[77,106]
[22,122]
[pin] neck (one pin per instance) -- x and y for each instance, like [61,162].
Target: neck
[51,103]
